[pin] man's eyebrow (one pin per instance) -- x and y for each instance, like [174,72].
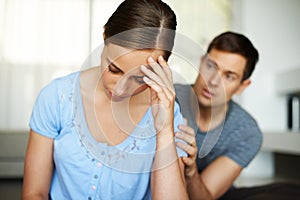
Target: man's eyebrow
[234,73]
[216,65]
[114,65]
[227,71]
[213,62]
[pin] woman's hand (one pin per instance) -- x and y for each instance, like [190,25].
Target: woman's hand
[166,162]
[159,79]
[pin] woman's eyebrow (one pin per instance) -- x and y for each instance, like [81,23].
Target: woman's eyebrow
[114,65]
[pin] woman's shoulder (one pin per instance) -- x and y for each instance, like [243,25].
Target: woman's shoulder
[64,83]
[60,86]
[67,79]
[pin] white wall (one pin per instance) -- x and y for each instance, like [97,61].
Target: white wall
[274,28]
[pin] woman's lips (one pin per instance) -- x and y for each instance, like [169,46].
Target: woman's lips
[117,97]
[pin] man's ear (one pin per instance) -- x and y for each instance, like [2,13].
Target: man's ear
[243,86]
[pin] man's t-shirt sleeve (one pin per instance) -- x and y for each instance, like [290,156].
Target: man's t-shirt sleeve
[246,149]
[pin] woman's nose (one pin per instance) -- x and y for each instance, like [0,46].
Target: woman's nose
[121,86]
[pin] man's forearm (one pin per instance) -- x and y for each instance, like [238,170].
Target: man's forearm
[196,188]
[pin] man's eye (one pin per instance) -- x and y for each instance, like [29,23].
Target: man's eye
[230,77]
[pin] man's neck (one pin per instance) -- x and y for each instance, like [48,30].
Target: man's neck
[211,117]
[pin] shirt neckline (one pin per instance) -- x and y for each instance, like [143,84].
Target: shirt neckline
[82,121]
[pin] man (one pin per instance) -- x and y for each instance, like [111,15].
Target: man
[227,137]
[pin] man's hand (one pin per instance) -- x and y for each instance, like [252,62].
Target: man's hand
[187,134]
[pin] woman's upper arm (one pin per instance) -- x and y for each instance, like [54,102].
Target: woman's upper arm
[38,167]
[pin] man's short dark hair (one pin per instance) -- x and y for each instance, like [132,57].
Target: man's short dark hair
[236,43]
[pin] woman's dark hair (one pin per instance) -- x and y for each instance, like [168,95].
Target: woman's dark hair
[142,24]
[239,44]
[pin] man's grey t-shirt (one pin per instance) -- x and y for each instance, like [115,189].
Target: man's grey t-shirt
[238,137]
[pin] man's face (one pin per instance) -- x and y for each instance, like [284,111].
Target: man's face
[220,76]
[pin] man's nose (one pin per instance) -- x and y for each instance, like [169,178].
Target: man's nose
[215,78]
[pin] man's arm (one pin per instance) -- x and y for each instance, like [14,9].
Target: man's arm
[219,176]
[215,179]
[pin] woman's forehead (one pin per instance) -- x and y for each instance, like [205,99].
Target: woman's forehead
[128,59]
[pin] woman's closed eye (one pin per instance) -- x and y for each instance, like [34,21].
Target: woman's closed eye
[113,70]
[138,79]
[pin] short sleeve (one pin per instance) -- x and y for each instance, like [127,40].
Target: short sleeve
[247,147]
[178,119]
[45,118]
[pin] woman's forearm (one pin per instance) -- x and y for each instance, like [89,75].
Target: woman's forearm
[167,179]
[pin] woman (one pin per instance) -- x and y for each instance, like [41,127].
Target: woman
[108,132]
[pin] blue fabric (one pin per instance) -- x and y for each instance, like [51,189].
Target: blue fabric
[85,168]
[238,137]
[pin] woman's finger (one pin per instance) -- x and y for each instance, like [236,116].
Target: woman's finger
[158,73]
[151,75]
[157,68]
[151,79]
[162,94]
[166,69]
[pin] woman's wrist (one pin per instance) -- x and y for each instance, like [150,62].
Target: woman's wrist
[165,136]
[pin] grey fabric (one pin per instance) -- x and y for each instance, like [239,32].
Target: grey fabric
[238,137]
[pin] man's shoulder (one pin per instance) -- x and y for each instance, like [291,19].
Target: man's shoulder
[182,92]
[237,111]
[239,119]
[181,87]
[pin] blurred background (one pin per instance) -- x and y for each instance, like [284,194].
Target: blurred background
[44,39]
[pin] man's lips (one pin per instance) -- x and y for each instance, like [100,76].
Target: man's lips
[207,93]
